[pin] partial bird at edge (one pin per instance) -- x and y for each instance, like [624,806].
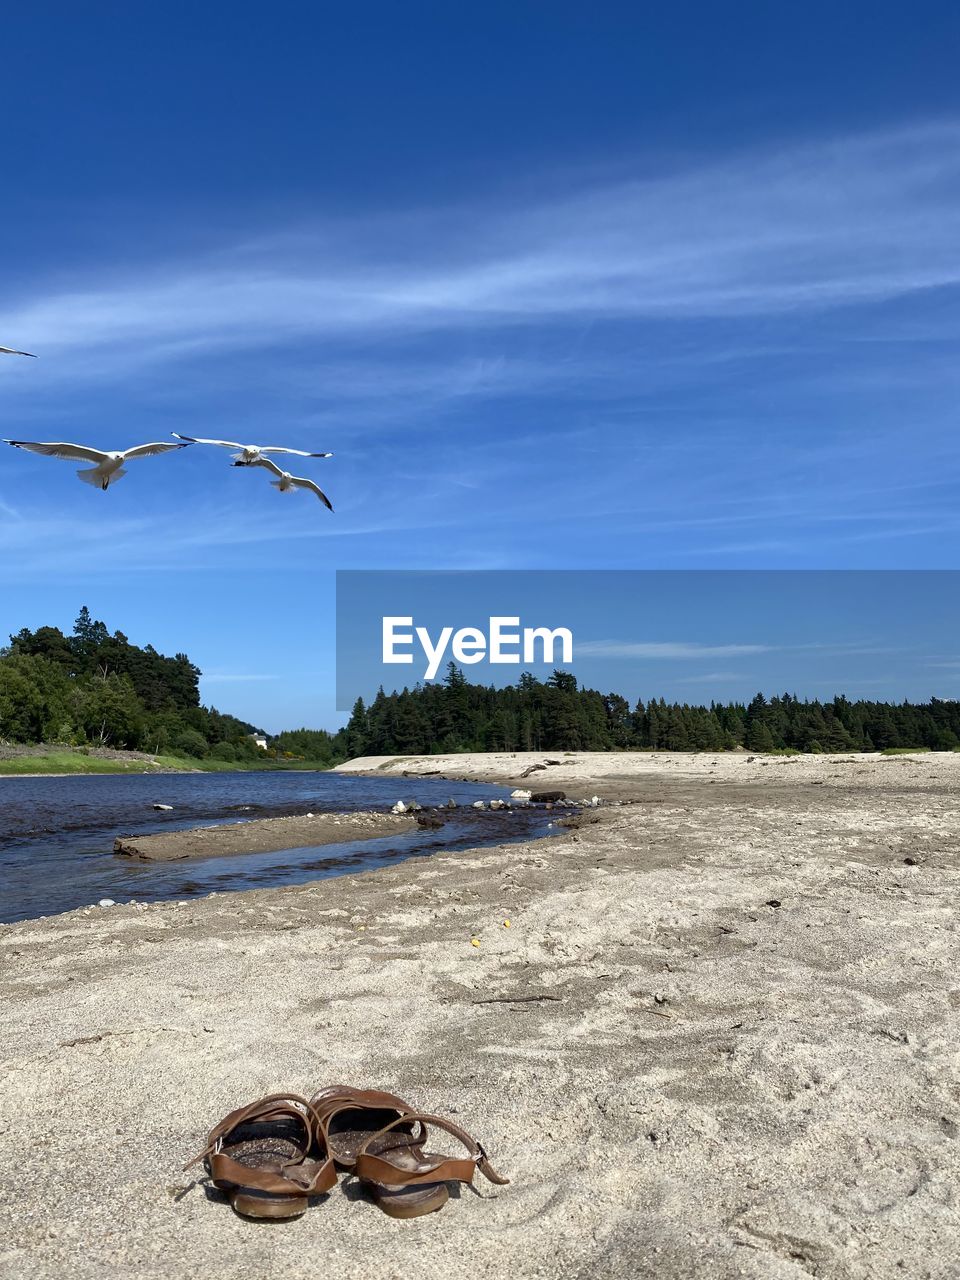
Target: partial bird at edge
[12,351]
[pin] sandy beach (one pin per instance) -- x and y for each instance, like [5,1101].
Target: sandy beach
[718,1038]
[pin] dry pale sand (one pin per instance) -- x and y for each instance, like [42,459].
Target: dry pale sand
[262,835]
[682,1079]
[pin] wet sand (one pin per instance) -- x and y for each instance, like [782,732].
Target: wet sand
[263,835]
[718,1039]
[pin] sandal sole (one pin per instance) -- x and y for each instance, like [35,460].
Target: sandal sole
[273,1208]
[409,1202]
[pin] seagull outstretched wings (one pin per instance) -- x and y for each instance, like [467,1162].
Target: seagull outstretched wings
[83,453]
[107,465]
[285,481]
[249,452]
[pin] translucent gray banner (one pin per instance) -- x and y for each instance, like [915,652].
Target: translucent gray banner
[687,636]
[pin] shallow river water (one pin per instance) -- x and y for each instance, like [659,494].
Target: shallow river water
[56,834]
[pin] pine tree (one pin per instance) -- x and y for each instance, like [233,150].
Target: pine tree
[759,737]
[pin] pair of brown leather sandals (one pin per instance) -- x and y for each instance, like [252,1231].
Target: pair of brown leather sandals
[272,1156]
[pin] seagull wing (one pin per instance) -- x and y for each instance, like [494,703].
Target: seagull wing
[12,351]
[225,444]
[148,450]
[301,453]
[78,452]
[264,462]
[315,488]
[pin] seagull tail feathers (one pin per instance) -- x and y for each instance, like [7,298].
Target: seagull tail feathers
[277,484]
[95,477]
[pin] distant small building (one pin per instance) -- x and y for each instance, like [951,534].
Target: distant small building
[258,740]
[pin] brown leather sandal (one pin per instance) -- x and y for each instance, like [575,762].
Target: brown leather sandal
[406,1181]
[270,1157]
[351,1116]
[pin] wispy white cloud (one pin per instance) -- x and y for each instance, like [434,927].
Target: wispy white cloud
[341,327]
[35,543]
[683,650]
[671,649]
[806,542]
[810,228]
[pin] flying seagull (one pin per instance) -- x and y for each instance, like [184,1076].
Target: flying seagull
[109,466]
[285,482]
[251,453]
[12,351]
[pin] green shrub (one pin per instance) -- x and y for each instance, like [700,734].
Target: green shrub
[191,743]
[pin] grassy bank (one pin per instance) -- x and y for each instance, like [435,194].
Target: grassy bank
[65,761]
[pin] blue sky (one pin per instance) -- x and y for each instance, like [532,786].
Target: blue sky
[566,286]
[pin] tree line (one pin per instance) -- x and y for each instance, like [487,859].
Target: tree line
[558,715]
[94,688]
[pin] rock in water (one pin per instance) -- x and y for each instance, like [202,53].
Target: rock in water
[163,808]
[548,797]
[520,794]
[106,902]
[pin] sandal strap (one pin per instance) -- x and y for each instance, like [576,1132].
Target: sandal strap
[275,1106]
[374,1168]
[337,1098]
[298,1178]
[417,1136]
